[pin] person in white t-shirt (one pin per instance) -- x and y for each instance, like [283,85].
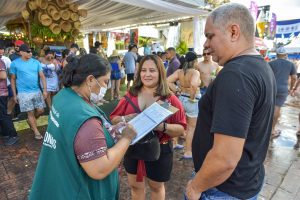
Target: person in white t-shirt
[10,103]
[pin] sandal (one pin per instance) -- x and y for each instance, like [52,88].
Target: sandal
[38,136]
[184,157]
[178,146]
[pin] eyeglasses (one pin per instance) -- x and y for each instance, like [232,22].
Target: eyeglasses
[206,54]
[28,52]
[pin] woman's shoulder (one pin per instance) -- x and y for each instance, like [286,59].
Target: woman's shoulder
[172,98]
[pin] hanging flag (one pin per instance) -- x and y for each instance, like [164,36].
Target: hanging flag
[272,26]
[260,24]
[262,21]
[253,9]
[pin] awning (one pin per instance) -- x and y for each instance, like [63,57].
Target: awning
[260,44]
[105,14]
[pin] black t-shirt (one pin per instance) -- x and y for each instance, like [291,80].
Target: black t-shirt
[238,103]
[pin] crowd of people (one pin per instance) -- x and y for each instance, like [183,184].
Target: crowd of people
[227,108]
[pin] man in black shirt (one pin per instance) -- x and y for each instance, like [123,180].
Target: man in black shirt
[235,115]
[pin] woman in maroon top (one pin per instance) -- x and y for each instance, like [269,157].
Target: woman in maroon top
[150,86]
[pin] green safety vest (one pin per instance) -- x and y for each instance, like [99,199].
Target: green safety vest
[59,175]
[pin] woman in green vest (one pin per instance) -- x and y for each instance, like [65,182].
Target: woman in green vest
[79,157]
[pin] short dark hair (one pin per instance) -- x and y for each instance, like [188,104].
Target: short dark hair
[171,49]
[74,45]
[162,89]
[78,69]
[65,53]
[97,44]
[131,46]
[49,52]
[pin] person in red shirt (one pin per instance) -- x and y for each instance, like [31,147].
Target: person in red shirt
[150,86]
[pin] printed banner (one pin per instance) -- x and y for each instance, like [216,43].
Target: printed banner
[273,23]
[284,29]
[134,36]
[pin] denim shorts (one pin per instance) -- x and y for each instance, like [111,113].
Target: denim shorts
[31,101]
[280,99]
[191,108]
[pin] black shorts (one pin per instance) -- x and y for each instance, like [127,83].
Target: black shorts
[10,93]
[130,77]
[159,170]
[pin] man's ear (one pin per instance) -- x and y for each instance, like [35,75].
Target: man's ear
[235,32]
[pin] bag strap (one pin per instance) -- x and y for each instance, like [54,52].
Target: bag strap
[132,104]
[102,114]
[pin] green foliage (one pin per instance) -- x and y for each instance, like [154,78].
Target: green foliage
[42,31]
[182,48]
[144,41]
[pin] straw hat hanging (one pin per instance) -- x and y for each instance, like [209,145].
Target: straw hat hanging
[61,3]
[43,4]
[55,28]
[52,10]
[45,19]
[25,14]
[32,5]
[65,14]
[55,15]
[51,7]
[77,24]
[82,12]
[74,17]
[75,32]
[73,7]
[65,26]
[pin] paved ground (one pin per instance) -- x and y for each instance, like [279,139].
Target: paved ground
[17,165]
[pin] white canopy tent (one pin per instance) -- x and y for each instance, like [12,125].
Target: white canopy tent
[106,14]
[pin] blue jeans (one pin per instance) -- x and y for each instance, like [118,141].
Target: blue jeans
[215,194]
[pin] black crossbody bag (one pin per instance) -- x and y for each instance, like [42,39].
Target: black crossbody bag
[148,148]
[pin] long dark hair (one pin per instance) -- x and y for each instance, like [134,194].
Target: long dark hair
[77,69]
[162,89]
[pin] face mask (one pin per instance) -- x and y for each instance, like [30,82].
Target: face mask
[95,98]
